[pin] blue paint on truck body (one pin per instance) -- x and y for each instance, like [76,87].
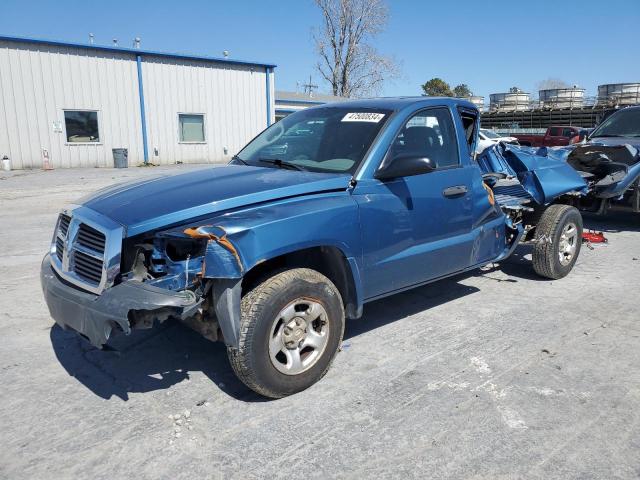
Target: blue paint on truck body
[162,201]
[390,235]
[543,173]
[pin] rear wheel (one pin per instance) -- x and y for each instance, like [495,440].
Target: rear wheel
[291,328]
[558,239]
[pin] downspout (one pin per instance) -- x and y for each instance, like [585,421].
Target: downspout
[268,72]
[142,112]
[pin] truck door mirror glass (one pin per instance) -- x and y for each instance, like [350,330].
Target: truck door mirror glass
[405,166]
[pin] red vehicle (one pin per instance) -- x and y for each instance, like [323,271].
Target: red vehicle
[554,137]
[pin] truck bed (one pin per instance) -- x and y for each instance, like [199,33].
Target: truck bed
[529,175]
[511,193]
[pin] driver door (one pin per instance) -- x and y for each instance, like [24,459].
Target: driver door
[417,228]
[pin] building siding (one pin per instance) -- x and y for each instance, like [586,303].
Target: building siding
[231,97]
[39,81]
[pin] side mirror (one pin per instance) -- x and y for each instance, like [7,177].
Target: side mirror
[405,166]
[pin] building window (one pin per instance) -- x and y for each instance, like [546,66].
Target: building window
[81,126]
[191,127]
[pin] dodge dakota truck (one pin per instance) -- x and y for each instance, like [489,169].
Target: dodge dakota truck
[326,210]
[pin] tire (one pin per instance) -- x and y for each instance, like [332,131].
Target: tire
[558,234]
[273,315]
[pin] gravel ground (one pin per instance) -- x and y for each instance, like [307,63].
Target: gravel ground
[493,374]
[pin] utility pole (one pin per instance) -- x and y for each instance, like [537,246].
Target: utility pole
[309,87]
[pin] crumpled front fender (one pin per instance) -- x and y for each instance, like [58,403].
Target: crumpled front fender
[221,259]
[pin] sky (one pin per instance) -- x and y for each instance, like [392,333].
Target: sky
[489,45]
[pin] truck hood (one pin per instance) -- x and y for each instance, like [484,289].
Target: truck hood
[162,201]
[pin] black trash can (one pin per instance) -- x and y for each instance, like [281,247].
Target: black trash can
[120,157]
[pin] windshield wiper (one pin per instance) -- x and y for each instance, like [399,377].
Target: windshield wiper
[236,157]
[608,135]
[281,163]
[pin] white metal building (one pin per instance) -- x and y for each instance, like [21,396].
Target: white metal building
[69,105]
[289,102]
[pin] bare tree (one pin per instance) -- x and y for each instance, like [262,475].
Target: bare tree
[347,60]
[552,83]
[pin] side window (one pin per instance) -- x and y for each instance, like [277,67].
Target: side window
[554,132]
[430,134]
[568,132]
[470,126]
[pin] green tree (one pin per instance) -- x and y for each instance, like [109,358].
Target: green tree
[462,91]
[436,87]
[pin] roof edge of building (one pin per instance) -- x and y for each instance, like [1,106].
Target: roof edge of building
[134,51]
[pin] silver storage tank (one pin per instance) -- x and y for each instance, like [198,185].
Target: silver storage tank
[561,97]
[619,94]
[508,102]
[477,100]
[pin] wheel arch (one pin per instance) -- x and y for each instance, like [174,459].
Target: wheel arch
[328,260]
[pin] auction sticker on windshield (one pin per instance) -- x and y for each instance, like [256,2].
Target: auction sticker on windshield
[363,117]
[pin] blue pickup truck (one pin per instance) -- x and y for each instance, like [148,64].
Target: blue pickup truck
[324,211]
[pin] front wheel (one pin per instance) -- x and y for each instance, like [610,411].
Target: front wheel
[558,240]
[290,330]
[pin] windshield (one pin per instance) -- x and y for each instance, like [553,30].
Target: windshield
[490,134]
[624,123]
[326,139]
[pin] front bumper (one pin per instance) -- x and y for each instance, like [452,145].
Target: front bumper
[95,316]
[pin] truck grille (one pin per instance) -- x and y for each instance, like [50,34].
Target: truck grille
[88,267]
[91,238]
[61,234]
[63,226]
[59,248]
[80,251]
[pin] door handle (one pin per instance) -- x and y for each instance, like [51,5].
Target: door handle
[456,191]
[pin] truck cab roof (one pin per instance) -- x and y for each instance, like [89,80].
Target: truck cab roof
[399,103]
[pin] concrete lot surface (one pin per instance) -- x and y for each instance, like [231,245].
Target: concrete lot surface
[490,375]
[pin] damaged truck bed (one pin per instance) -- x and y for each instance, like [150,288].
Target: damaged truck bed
[330,208]
[610,171]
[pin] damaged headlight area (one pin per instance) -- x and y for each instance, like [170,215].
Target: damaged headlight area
[200,261]
[181,258]
[165,260]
